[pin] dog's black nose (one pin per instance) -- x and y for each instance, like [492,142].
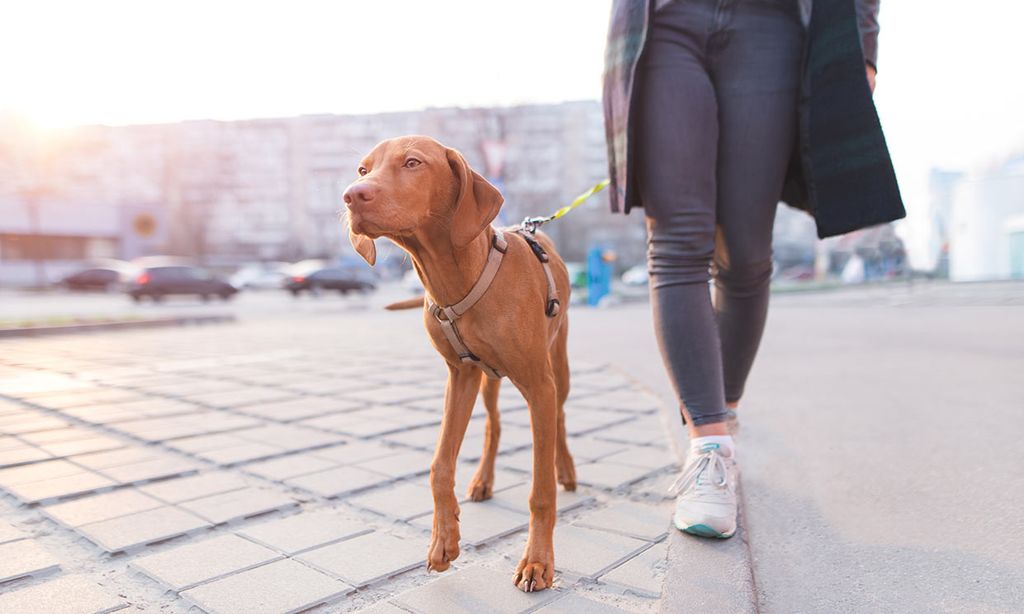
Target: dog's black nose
[359,193]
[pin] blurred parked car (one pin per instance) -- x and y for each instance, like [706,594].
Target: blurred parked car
[315,276]
[260,276]
[635,275]
[159,281]
[796,273]
[98,278]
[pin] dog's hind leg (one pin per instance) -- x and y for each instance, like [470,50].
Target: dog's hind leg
[564,464]
[482,485]
[459,398]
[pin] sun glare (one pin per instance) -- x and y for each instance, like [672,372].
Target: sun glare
[125,62]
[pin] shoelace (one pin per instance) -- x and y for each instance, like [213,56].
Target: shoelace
[707,460]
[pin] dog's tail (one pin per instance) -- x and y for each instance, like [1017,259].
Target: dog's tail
[411,303]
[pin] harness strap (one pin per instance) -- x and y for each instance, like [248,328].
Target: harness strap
[553,306]
[446,316]
[498,248]
[455,339]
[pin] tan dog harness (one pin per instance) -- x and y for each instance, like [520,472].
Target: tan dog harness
[446,316]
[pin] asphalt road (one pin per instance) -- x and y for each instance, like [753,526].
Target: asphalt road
[880,450]
[882,457]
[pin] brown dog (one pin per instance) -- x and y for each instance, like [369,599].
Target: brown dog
[426,198]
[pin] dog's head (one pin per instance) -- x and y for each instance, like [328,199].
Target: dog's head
[413,185]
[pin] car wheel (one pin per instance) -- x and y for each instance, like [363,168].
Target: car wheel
[136,298]
[226,296]
[205,298]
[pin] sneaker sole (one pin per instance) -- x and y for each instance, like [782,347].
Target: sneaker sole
[703,530]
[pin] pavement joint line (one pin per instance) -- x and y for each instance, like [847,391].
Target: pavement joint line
[308,548]
[209,580]
[239,464]
[596,578]
[328,600]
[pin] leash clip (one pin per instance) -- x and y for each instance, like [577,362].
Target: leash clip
[531,224]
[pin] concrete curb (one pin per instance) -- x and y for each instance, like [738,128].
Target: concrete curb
[705,574]
[40,331]
[710,575]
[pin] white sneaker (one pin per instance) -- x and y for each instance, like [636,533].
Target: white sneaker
[706,493]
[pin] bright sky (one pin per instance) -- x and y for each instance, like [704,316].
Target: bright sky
[949,89]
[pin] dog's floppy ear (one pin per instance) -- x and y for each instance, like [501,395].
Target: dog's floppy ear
[476,204]
[363,244]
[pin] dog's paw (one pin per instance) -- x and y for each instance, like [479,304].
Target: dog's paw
[444,547]
[566,470]
[532,577]
[481,489]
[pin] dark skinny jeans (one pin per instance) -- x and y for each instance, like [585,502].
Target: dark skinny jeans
[715,127]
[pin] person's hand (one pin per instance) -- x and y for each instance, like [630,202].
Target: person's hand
[871,77]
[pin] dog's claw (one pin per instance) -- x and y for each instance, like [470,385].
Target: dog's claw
[533,577]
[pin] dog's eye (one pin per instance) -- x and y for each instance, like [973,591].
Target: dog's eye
[362,170]
[412,163]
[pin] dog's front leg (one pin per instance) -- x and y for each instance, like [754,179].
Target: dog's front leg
[536,570]
[459,398]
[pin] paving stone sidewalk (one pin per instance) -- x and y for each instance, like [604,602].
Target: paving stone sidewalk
[247,468]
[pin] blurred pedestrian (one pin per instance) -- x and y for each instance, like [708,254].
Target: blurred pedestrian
[715,110]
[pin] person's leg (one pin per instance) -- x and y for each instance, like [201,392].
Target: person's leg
[747,62]
[676,146]
[755,65]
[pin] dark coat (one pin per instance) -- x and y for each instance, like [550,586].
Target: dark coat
[841,173]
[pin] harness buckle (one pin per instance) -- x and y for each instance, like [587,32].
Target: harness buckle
[552,308]
[501,246]
[444,315]
[537,249]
